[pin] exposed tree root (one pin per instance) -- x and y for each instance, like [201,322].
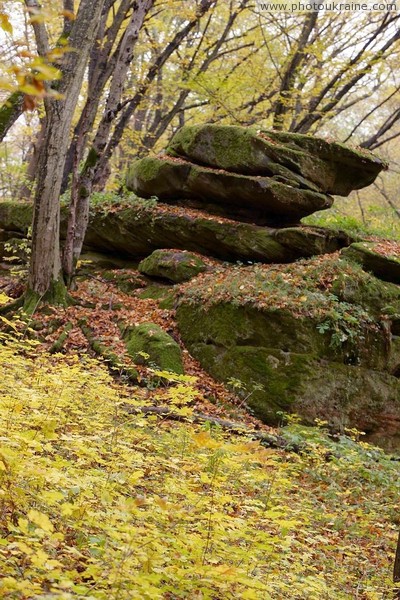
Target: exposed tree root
[58,345]
[114,361]
[266,439]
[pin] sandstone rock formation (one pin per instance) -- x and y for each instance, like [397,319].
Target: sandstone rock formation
[256,199]
[141,227]
[320,337]
[315,338]
[263,177]
[301,161]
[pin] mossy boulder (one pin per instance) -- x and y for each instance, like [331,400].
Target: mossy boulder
[384,267]
[277,382]
[312,241]
[299,340]
[302,161]
[149,344]
[257,199]
[16,216]
[174,265]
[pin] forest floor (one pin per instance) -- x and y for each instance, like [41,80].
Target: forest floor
[100,499]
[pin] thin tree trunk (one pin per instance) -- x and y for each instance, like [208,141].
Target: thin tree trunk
[360,206]
[289,76]
[45,280]
[82,184]
[396,570]
[10,111]
[384,193]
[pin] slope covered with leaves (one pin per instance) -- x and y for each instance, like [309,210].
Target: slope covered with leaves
[98,503]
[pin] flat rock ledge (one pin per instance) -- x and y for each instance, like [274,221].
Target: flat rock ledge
[255,199]
[384,267]
[136,231]
[304,161]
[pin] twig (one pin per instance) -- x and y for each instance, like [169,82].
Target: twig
[266,439]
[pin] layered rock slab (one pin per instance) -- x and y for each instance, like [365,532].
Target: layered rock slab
[299,160]
[140,227]
[257,199]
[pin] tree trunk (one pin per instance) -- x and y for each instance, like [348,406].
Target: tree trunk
[10,111]
[45,279]
[128,107]
[25,192]
[82,183]
[101,64]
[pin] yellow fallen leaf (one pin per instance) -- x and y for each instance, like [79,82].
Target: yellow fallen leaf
[40,520]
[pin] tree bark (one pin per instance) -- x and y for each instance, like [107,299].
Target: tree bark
[101,64]
[82,183]
[128,108]
[10,111]
[25,193]
[45,280]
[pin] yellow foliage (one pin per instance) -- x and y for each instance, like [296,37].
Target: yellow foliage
[5,24]
[99,504]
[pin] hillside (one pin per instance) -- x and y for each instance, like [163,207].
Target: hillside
[101,503]
[195,417]
[101,499]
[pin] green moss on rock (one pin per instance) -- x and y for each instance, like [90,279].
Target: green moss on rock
[16,216]
[148,167]
[260,199]
[134,231]
[310,338]
[302,161]
[227,148]
[149,344]
[263,373]
[175,265]
[162,293]
[384,267]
